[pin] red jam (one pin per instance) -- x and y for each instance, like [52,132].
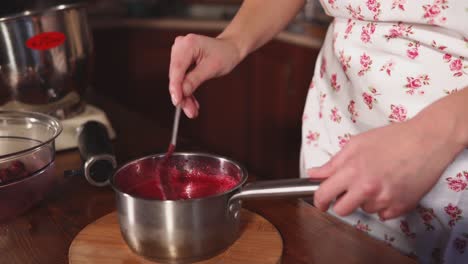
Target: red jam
[16,170]
[184,185]
[151,180]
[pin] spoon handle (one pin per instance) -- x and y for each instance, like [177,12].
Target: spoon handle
[175,127]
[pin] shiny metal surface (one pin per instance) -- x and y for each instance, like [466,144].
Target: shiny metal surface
[51,80]
[277,189]
[177,231]
[175,127]
[181,231]
[108,160]
[184,231]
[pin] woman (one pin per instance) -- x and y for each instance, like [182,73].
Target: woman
[386,118]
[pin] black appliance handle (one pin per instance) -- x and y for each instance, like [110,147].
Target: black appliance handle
[96,152]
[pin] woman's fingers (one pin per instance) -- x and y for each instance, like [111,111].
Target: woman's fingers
[349,202]
[328,169]
[372,207]
[380,203]
[190,106]
[330,189]
[197,76]
[322,172]
[396,210]
[182,56]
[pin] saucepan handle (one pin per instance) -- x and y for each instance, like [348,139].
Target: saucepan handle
[289,188]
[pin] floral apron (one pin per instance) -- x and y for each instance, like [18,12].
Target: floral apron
[383,61]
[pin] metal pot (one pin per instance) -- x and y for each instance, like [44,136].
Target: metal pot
[26,138]
[185,231]
[45,60]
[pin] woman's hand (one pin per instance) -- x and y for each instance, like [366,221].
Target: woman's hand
[389,169]
[206,58]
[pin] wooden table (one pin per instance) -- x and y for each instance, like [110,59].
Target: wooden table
[44,234]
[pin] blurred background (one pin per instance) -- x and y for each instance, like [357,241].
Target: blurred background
[202,9]
[253,114]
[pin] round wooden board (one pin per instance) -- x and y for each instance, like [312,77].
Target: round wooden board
[101,242]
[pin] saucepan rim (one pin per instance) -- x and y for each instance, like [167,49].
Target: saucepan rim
[243,173]
[34,12]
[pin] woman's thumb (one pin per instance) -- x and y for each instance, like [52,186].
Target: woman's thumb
[196,77]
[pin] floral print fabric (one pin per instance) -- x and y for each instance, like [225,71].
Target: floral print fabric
[383,61]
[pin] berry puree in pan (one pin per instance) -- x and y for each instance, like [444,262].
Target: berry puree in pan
[153,180]
[183,185]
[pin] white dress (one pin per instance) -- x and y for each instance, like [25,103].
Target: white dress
[383,61]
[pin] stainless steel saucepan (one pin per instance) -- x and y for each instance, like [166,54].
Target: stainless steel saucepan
[184,231]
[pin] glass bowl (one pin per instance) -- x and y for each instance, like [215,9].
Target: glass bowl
[27,155]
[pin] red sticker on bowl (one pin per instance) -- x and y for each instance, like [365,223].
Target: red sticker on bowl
[46,40]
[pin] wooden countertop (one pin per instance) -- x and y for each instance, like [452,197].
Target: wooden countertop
[44,234]
[312,36]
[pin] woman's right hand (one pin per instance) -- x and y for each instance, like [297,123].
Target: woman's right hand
[206,58]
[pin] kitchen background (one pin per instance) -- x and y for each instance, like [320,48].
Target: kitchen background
[252,115]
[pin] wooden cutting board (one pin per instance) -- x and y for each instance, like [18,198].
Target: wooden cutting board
[101,242]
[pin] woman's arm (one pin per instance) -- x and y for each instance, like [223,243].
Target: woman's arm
[256,22]
[447,117]
[390,176]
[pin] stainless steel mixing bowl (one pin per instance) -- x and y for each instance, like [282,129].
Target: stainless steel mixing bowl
[45,60]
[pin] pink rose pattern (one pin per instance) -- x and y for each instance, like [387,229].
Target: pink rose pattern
[404,226]
[446,91]
[367,32]
[334,84]
[374,7]
[454,213]
[335,115]
[370,98]
[427,215]
[413,50]
[323,67]
[352,110]
[398,113]
[388,239]
[343,140]
[399,30]
[312,137]
[322,100]
[436,46]
[349,28]
[414,84]
[366,63]
[344,60]
[332,4]
[355,12]
[460,243]
[433,13]
[459,182]
[363,227]
[388,67]
[370,11]
[400,4]
[455,64]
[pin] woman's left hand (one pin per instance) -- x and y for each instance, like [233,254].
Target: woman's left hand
[386,170]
